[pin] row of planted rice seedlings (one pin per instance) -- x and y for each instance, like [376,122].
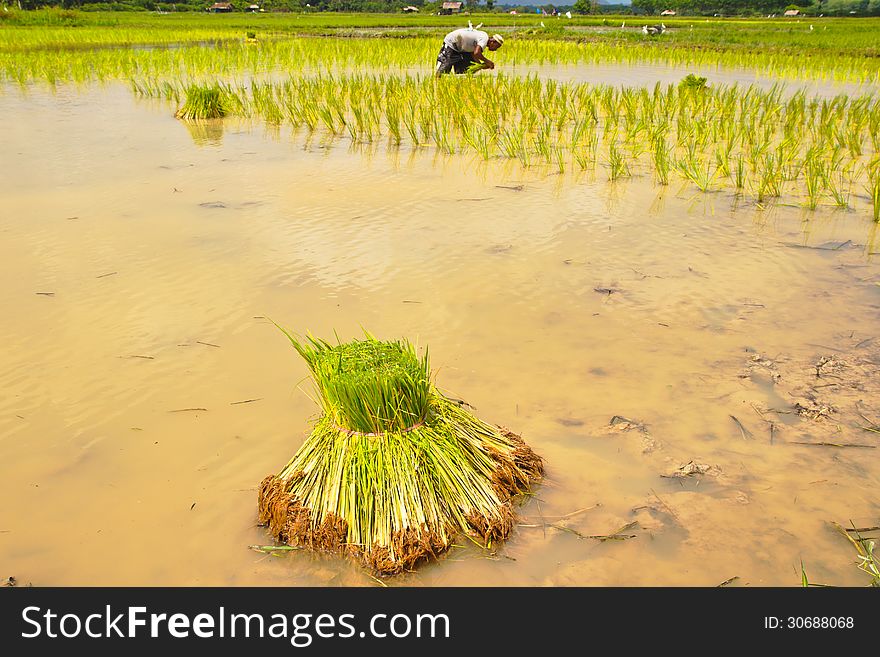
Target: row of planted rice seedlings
[224,60]
[797,65]
[41,37]
[233,58]
[820,151]
[81,67]
[828,34]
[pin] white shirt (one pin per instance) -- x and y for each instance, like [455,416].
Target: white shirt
[466,40]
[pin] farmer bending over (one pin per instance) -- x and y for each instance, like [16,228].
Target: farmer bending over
[464,47]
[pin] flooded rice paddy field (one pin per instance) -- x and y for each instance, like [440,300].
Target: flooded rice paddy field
[648,74]
[636,74]
[676,357]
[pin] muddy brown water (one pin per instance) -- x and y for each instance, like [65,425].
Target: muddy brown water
[145,394]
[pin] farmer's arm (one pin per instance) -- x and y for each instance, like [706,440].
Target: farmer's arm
[480,57]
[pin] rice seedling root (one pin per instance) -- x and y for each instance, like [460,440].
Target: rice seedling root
[291,522]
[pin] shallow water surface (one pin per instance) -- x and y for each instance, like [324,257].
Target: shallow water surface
[146,393]
[645,74]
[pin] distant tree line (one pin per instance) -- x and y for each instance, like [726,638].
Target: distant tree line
[351,6]
[583,7]
[759,7]
[373,6]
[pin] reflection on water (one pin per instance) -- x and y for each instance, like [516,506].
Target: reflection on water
[647,75]
[205,132]
[141,268]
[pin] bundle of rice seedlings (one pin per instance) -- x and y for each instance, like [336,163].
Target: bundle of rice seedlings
[393,469]
[475,67]
[202,102]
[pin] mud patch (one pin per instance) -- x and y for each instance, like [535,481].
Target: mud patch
[693,469]
[832,396]
[622,425]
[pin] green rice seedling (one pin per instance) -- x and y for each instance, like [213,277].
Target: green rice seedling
[839,188]
[815,173]
[291,110]
[618,167]
[692,148]
[732,134]
[352,129]
[392,120]
[202,103]
[528,116]
[769,179]
[787,155]
[444,136]
[758,149]
[363,123]
[238,101]
[523,154]
[513,144]
[662,158]
[426,122]
[559,152]
[583,159]
[578,129]
[309,115]
[375,117]
[873,188]
[509,142]
[628,105]
[722,162]
[589,108]
[874,130]
[610,129]
[485,144]
[410,122]
[480,140]
[854,139]
[701,133]
[170,92]
[700,173]
[438,132]
[837,157]
[341,118]
[265,103]
[814,184]
[637,138]
[393,469]
[593,147]
[562,116]
[865,550]
[542,143]
[867,561]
